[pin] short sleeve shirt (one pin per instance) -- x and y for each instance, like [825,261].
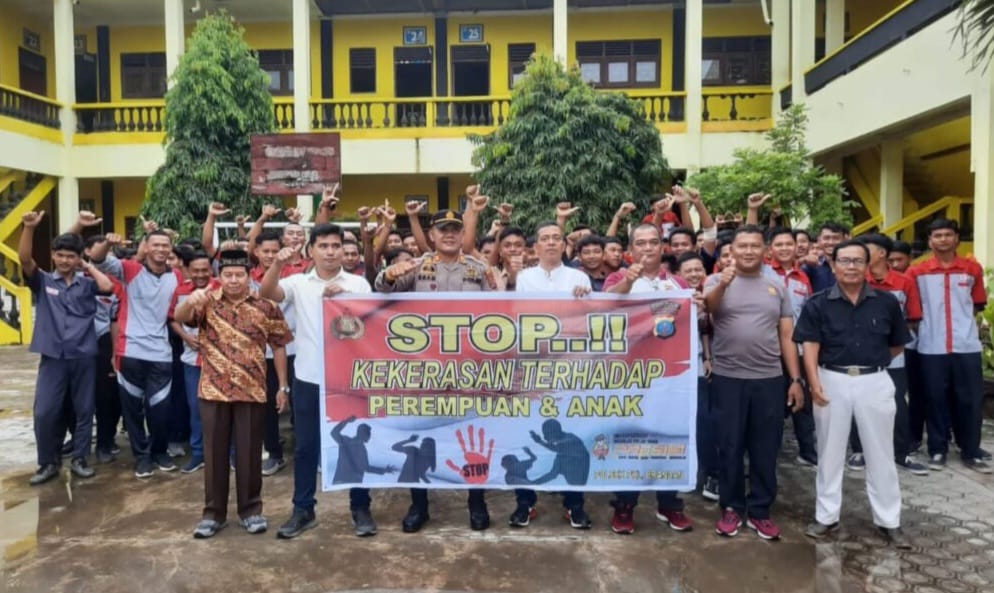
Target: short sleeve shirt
[64,315]
[746,340]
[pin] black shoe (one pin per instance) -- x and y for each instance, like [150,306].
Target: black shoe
[521,516]
[479,519]
[937,462]
[415,519]
[44,474]
[67,447]
[165,463]
[363,522]
[144,468]
[978,465]
[915,447]
[299,522]
[104,456]
[81,469]
[578,518]
[818,530]
[896,537]
[984,455]
[710,489]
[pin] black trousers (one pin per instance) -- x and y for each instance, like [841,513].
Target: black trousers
[527,497]
[476,500]
[144,387]
[954,389]
[108,402]
[271,440]
[750,418]
[917,403]
[59,381]
[179,410]
[804,424]
[902,436]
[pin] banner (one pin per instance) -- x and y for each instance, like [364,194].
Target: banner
[510,391]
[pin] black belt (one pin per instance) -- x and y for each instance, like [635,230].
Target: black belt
[853,371]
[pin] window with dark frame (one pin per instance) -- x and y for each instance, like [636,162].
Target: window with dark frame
[518,55]
[278,64]
[620,64]
[143,76]
[735,61]
[362,70]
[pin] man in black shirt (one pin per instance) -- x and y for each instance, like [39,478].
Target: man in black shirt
[851,332]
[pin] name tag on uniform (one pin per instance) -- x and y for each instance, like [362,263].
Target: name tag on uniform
[52,291]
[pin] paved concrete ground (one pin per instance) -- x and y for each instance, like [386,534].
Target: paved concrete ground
[114,534]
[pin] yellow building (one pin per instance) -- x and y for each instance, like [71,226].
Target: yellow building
[892,105]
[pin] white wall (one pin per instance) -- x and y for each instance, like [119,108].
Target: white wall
[26,153]
[920,76]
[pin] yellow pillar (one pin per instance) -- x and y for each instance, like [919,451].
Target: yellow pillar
[560,31]
[302,83]
[692,67]
[802,45]
[891,182]
[982,157]
[65,93]
[835,25]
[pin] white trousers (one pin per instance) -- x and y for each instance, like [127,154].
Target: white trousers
[870,399]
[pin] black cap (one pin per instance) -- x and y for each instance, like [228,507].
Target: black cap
[234,257]
[446,217]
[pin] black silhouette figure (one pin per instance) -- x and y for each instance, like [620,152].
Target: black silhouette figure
[353,461]
[420,460]
[516,470]
[572,458]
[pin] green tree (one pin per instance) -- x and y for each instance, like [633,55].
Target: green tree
[219,98]
[565,142]
[802,191]
[976,31]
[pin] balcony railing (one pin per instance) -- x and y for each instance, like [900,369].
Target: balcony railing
[433,112]
[426,113]
[890,30]
[121,117]
[29,107]
[738,106]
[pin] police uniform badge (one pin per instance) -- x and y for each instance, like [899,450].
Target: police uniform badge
[347,326]
[664,325]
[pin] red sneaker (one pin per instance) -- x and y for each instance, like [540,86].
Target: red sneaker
[764,528]
[676,520]
[623,522]
[729,523]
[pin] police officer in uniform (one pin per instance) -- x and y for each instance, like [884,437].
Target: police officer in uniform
[446,269]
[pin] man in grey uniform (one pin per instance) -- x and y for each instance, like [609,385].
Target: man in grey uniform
[446,269]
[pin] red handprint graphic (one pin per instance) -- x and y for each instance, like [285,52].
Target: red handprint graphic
[476,470]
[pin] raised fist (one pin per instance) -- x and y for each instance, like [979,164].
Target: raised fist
[32,219]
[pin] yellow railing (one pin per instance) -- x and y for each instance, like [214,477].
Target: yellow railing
[29,107]
[750,104]
[873,223]
[950,205]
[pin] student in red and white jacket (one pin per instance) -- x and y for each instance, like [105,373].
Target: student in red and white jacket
[952,292]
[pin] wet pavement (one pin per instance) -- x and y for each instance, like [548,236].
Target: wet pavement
[114,533]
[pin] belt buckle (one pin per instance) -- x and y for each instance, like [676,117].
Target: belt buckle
[853,371]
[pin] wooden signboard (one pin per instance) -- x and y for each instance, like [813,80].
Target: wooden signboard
[294,164]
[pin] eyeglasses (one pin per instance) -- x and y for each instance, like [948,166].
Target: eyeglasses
[850,262]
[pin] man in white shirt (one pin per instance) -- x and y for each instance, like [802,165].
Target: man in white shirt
[306,293]
[646,275]
[550,275]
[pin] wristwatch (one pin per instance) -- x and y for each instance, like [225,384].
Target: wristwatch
[285,389]
[797,380]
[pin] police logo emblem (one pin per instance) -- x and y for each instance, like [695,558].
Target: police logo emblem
[348,327]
